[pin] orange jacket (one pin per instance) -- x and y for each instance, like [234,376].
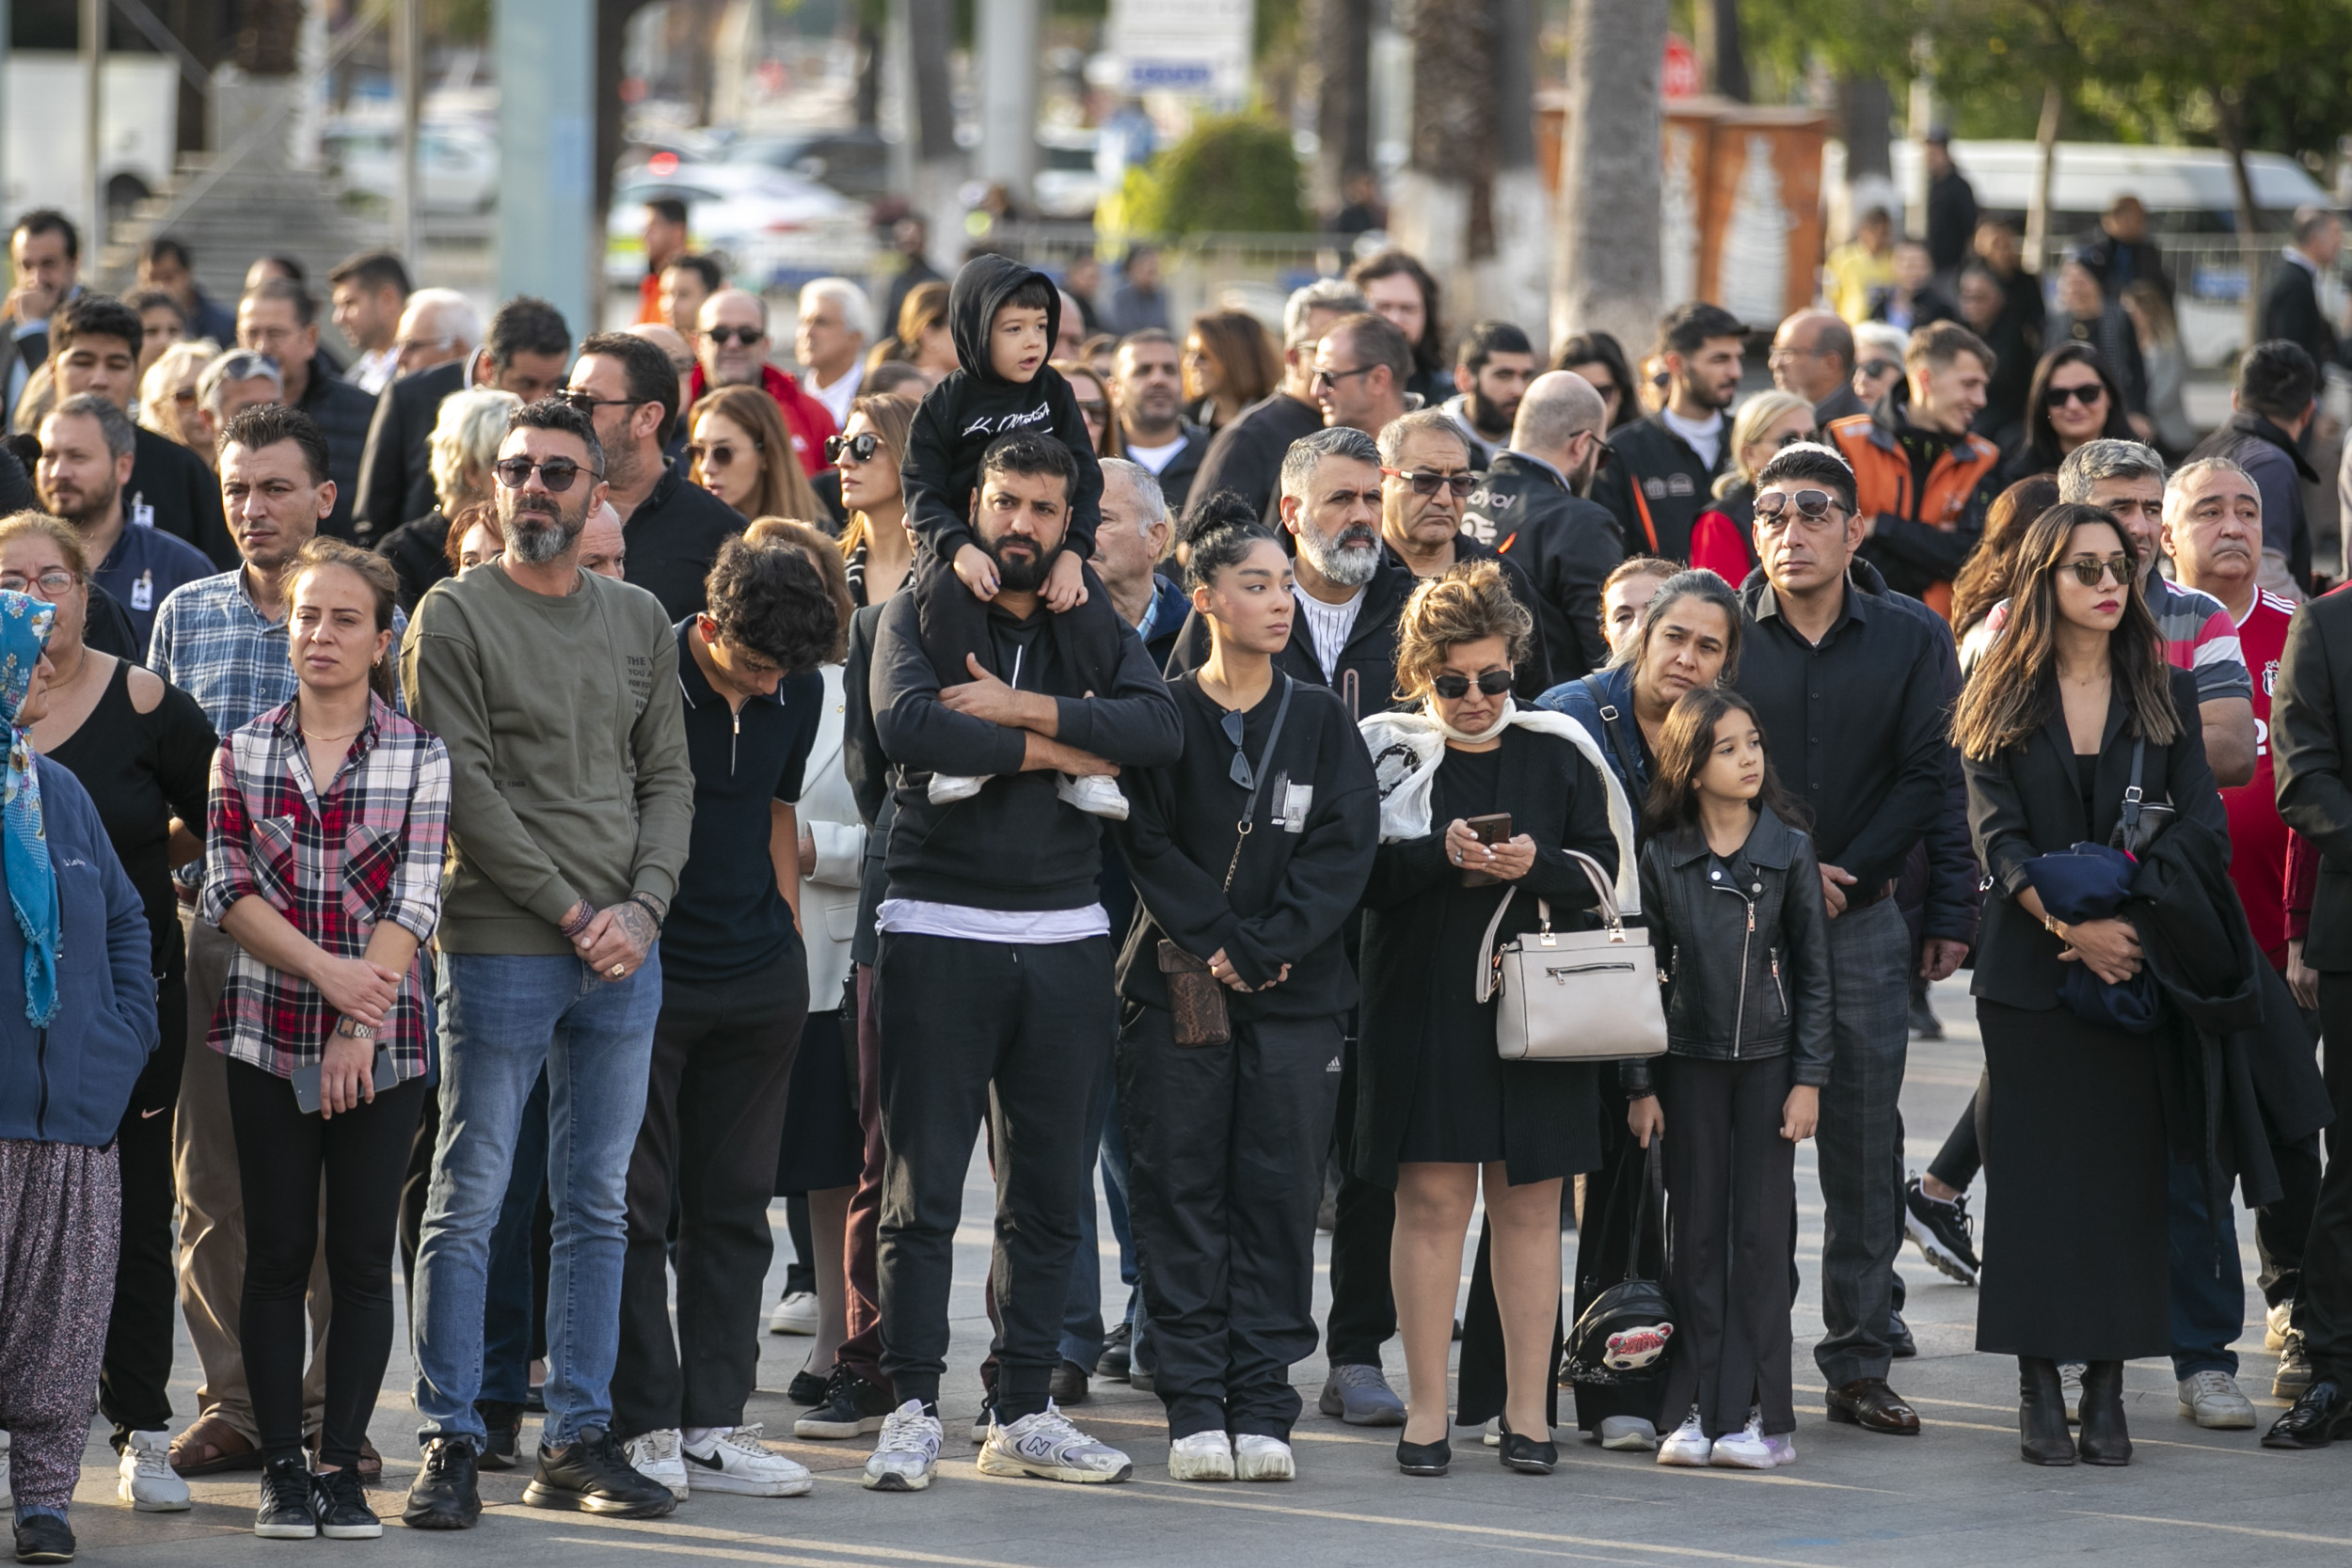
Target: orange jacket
[1917,541]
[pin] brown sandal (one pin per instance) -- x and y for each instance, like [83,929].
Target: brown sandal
[211,1446]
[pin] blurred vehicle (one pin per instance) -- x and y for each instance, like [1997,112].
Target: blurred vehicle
[853,160]
[139,118]
[457,162]
[769,229]
[1068,183]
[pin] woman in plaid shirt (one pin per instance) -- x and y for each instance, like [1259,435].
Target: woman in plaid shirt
[330,890]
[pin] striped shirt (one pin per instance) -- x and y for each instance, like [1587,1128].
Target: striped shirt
[2199,636]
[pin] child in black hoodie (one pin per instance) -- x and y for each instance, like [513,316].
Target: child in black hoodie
[1004,318]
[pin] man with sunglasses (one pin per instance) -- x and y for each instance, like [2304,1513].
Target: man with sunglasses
[1530,505]
[1362,366]
[1850,684]
[1246,455]
[1662,468]
[731,344]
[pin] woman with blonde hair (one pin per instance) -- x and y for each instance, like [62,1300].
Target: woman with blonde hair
[876,547]
[740,452]
[1720,535]
[167,402]
[464,444]
[1230,362]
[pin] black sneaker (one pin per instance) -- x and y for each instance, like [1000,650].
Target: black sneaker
[1925,1025]
[806,1388]
[1899,1344]
[287,1512]
[444,1494]
[44,1538]
[591,1474]
[502,1426]
[1117,1349]
[340,1499]
[1068,1384]
[852,1408]
[1942,1231]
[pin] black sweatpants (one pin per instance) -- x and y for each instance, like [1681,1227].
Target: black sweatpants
[1961,1157]
[1730,1178]
[1364,1301]
[1018,1033]
[1225,1172]
[134,1381]
[714,1111]
[2323,1305]
[281,1154]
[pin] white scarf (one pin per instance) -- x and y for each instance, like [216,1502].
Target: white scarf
[1407,748]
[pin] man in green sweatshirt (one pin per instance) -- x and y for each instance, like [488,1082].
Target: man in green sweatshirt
[571,800]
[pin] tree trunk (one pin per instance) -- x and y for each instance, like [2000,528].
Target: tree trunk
[1605,266]
[2230,125]
[1343,67]
[2046,138]
[1723,64]
[1522,208]
[612,36]
[1453,143]
[868,102]
[1865,110]
[938,164]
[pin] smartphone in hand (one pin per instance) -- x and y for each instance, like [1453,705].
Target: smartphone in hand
[306,1082]
[1488,829]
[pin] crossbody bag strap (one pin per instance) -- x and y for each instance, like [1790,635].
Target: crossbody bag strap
[1611,720]
[2132,791]
[1266,760]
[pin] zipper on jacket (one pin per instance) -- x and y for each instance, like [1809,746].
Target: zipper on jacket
[1778,990]
[735,743]
[1747,941]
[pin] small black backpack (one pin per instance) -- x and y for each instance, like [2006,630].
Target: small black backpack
[1623,1339]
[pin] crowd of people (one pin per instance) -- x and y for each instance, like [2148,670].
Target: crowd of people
[551,800]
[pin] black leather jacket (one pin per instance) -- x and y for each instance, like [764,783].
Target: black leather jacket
[1746,956]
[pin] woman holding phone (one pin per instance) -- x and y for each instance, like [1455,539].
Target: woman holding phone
[324,863]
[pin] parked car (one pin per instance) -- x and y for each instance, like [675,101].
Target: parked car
[771,229]
[458,162]
[854,160]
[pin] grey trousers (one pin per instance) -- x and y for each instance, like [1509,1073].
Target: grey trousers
[1860,1146]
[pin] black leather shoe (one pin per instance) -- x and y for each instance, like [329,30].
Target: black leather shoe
[590,1475]
[1118,1350]
[2316,1418]
[502,1424]
[2105,1438]
[1527,1455]
[1069,1383]
[2041,1436]
[1899,1344]
[444,1494]
[1423,1459]
[806,1388]
[44,1538]
[1867,1402]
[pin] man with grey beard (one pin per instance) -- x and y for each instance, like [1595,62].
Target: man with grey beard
[571,799]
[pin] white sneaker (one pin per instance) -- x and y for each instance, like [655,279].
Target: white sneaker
[1688,1445]
[1628,1434]
[1093,793]
[735,1459]
[1201,1456]
[149,1482]
[2214,1401]
[1746,1450]
[982,1423]
[948,788]
[795,1314]
[2276,1326]
[658,1456]
[1258,1457]
[1047,1445]
[1492,1436]
[907,1452]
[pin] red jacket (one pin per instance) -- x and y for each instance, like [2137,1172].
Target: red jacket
[809,421]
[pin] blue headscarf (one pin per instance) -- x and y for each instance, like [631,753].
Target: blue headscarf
[24,623]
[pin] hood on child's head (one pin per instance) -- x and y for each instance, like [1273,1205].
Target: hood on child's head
[979,290]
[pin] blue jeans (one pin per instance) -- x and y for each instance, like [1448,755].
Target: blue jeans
[2208,1285]
[506,1309]
[504,1016]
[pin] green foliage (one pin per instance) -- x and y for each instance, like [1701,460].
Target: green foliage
[1235,174]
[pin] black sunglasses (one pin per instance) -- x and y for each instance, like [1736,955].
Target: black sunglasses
[1813,505]
[1876,368]
[1240,773]
[1454,688]
[588,403]
[556,474]
[726,335]
[861,447]
[2091,571]
[2086,394]
[1429,484]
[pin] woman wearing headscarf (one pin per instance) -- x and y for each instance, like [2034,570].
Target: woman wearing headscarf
[77,1022]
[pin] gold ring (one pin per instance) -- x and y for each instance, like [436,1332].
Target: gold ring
[618,970]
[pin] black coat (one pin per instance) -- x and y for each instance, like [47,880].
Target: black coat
[1656,486]
[1568,545]
[181,494]
[418,552]
[343,414]
[674,538]
[2311,739]
[1246,455]
[1951,220]
[2291,310]
[396,478]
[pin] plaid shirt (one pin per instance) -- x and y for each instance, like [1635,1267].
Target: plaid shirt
[212,644]
[369,851]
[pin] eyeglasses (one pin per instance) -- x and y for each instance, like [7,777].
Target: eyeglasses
[860,448]
[1240,773]
[49,585]
[556,474]
[2087,394]
[1429,484]
[1876,368]
[1607,389]
[183,396]
[1094,408]
[588,403]
[1332,378]
[1812,505]
[746,336]
[1454,688]
[715,455]
[2090,570]
[1797,437]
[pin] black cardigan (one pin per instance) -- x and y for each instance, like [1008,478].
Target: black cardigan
[1294,886]
[2027,802]
[1553,795]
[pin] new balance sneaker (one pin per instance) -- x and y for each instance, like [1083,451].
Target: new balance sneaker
[795,1314]
[2213,1399]
[1628,1434]
[948,788]
[907,1454]
[1201,1456]
[1943,1232]
[287,1512]
[1688,1444]
[852,1408]
[148,1483]
[1093,793]
[659,1455]
[341,1498]
[445,1494]
[1046,1445]
[591,1474]
[1259,1457]
[732,1459]
[1361,1395]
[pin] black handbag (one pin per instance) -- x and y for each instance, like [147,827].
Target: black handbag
[1624,1338]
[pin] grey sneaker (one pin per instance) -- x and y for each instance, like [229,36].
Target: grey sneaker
[1628,1434]
[2214,1400]
[1047,1445]
[1361,1395]
[906,1453]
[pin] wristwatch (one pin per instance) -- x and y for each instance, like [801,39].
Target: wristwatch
[349,1030]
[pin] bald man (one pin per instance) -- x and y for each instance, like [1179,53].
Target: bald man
[1531,507]
[734,351]
[1813,357]
[602,547]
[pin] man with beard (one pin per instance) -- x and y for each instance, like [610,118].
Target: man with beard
[1492,371]
[992,980]
[625,386]
[1532,509]
[87,452]
[1148,384]
[571,803]
[1662,470]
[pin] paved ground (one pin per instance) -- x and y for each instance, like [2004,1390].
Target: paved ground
[1955,1495]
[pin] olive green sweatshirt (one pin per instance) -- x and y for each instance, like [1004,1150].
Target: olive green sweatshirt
[569,774]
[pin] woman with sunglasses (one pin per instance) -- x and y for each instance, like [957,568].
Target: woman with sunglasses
[2076,1238]
[1093,389]
[168,399]
[1248,854]
[739,450]
[1721,536]
[2074,399]
[876,546]
[1481,802]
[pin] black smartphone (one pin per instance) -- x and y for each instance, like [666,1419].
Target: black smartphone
[1488,829]
[306,1082]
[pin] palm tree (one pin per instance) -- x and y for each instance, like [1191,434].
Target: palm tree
[1605,265]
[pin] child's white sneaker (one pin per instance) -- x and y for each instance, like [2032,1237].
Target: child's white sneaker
[1095,794]
[948,788]
[1687,1444]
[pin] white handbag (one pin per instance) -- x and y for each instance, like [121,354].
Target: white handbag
[1573,996]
